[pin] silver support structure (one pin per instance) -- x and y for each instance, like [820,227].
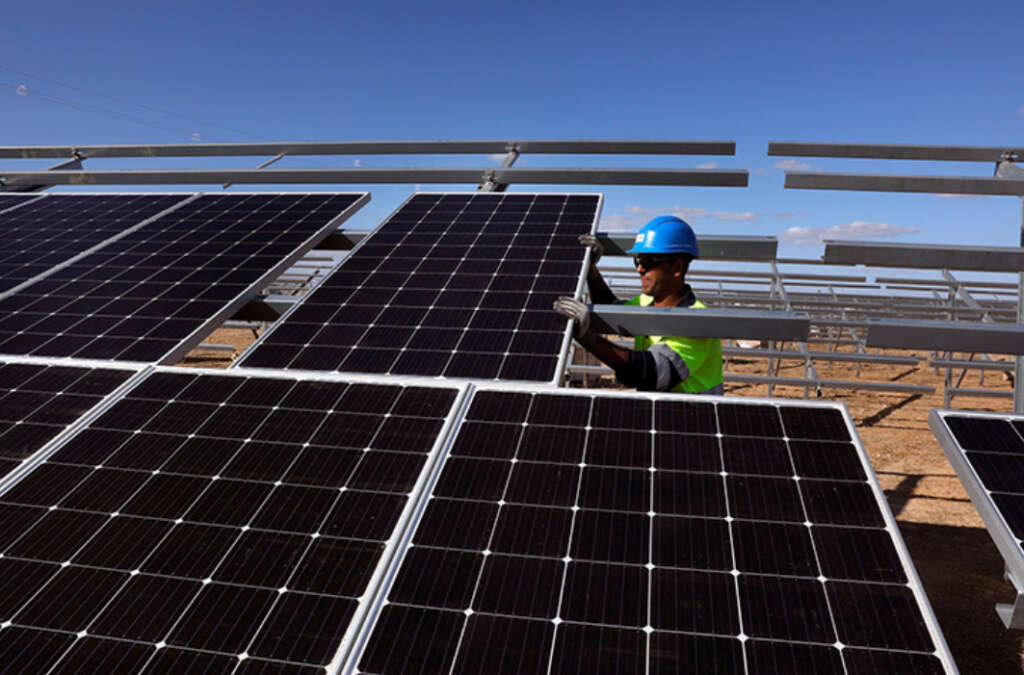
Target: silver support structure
[485,147]
[952,153]
[630,320]
[263,165]
[72,164]
[489,184]
[562,176]
[731,247]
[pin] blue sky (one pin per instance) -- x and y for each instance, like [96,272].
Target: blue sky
[894,72]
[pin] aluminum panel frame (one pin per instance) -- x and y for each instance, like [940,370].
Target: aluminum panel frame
[188,197]
[564,354]
[443,438]
[997,527]
[942,651]
[230,308]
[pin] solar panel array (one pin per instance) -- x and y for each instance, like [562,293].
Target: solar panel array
[208,521]
[145,296]
[456,285]
[633,534]
[37,402]
[8,201]
[987,452]
[52,230]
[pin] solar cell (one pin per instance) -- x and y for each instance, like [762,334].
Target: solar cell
[587,539]
[55,228]
[154,293]
[146,547]
[39,401]
[456,285]
[986,449]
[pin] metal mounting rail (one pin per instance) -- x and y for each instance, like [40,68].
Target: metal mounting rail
[962,185]
[951,153]
[566,176]
[721,323]
[946,336]
[732,247]
[484,147]
[931,256]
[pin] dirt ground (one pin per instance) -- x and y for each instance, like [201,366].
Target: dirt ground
[960,568]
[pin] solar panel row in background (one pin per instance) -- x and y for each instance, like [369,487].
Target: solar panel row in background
[37,402]
[457,285]
[633,534]
[54,229]
[987,452]
[150,295]
[208,519]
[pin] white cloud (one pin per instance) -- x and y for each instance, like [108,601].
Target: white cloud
[858,229]
[791,165]
[952,196]
[761,172]
[708,165]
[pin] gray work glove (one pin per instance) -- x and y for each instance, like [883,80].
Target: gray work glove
[578,311]
[591,242]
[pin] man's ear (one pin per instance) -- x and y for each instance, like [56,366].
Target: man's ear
[678,267]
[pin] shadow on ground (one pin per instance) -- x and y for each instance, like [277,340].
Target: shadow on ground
[962,573]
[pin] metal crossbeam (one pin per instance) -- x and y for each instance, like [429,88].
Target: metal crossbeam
[962,185]
[930,256]
[700,323]
[566,176]
[484,147]
[997,338]
[730,247]
[951,153]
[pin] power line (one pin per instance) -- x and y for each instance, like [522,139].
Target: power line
[128,102]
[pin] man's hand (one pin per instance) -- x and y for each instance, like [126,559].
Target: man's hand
[596,250]
[574,309]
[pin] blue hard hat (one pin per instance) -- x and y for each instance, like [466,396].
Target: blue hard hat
[666,234]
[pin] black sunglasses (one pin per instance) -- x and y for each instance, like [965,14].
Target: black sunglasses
[648,261]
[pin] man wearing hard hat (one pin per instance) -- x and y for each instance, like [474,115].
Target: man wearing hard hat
[662,253]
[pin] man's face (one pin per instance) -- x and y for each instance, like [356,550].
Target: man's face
[655,274]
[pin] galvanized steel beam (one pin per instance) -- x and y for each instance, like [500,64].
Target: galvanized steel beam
[964,185]
[729,247]
[930,256]
[719,323]
[996,338]
[952,153]
[486,147]
[564,176]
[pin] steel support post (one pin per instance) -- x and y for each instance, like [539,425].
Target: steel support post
[1018,374]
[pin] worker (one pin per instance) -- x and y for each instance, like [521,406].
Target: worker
[662,253]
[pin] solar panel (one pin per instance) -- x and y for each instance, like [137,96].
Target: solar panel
[453,285]
[9,201]
[55,228]
[208,520]
[987,452]
[155,293]
[576,532]
[38,402]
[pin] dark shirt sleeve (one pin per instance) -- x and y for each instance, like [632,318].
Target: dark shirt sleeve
[646,372]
